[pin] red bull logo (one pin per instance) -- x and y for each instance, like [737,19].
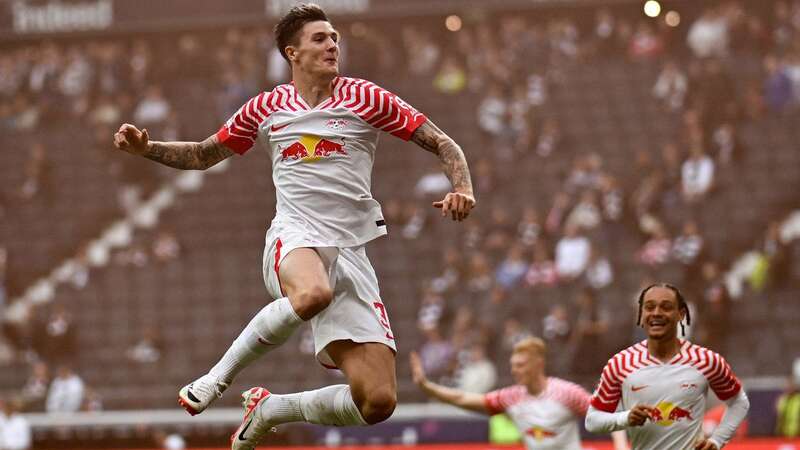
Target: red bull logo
[540,433]
[665,414]
[311,148]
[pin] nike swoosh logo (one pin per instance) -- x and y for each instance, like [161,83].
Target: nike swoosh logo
[241,435]
[638,388]
[191,396]
[276,128]
[263,342]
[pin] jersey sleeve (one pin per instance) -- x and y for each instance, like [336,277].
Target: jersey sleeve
[498,401]
[240,132]
[721,378]
[609,390]
[575,398]
[386,111]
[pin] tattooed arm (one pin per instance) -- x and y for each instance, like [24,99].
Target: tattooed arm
[454,165]
[180,155]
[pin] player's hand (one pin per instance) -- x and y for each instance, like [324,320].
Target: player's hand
[638,415]
[705,444]
[417,372]
[458,205]
[131,140]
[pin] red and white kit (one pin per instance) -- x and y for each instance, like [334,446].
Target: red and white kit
[676,389]
[322,161]
[547,421]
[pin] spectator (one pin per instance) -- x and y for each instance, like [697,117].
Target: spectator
[671,86]
[787,407]
[697,175]
[477,373]
[513,332]
[542,271]
[552,223]
[437,354]
[153,109]
[727,146]
[549,138]
[572,253]
[656,250]
[716,304]
[37,175]
[708,35]
[556,330]
[599,273]
[430,311]
[66,392]
[604,27]
[590,331]
[34,391]
[15,431]
[645,43]
[586,214]
[492,114]
[777,84]
[529,228]
[173,441]
[612,198]
[512,268]
[58,339]
[148,349]
[166,246]
[688,247]
[451,78]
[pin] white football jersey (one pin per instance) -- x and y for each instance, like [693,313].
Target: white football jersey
[548,421]
[677,389]
[322,157]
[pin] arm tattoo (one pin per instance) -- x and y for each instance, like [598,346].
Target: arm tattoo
[454,164]
[188,155]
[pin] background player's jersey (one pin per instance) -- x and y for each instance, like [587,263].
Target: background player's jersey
[547,421]
[322,157]
[677,389]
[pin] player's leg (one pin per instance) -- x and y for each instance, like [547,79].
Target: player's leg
[370,371]
[369,398]
[302,280]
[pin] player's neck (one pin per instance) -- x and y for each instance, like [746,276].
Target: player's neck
[313,89]
[537,385]
[664,349]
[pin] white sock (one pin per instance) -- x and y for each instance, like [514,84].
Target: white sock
[331,405]
[270,328]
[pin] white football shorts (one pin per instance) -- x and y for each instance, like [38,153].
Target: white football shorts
[356,312]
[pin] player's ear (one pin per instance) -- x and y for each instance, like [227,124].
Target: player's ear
[291,52]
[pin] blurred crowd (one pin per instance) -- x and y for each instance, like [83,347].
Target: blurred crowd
[544,268]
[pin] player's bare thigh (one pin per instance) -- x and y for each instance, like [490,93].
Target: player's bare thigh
[370,371]
[305,281]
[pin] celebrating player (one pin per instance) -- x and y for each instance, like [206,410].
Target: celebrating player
[543,408]
[321,132]
[663,383]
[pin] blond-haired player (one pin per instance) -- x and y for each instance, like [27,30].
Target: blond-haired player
[544,409]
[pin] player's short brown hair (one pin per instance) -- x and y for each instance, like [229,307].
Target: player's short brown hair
[290,24]
[530,345]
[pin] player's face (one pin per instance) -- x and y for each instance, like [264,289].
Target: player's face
[317,52]
[524,366]
[661,313]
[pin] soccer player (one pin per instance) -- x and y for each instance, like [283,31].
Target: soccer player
[321,132]
[544,409]
[662,383]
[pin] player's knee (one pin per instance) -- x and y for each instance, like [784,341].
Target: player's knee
[379,405]
[314,299]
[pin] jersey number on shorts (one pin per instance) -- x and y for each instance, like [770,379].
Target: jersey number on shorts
[383,318]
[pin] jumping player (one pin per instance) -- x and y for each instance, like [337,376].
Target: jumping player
[662,383]
[544,409]
[321,132]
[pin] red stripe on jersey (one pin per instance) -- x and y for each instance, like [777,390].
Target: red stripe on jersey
[498,401]
[381,109]
[609,389]
[241,131]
